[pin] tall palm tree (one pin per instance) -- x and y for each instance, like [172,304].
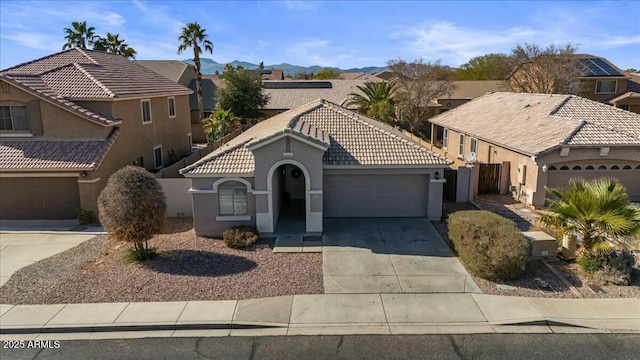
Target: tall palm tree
[376,100]
[114,45]
[79,36]
[219,124]
[193,36]
[597,211]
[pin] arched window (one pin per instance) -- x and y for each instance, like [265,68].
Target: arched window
[564,167]
[577,167]
[615,167]
[638,167]
[552,168]
[232,198]
[602,167]
[589,167]
[627,167]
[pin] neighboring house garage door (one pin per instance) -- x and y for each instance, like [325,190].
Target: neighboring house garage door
[39,198]
[375,195]
[629,178]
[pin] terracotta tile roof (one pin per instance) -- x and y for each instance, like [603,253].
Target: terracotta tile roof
[534,123]
[85,74]
[352,139]
[293,97]
[34,85]
[20,155]
[604,124]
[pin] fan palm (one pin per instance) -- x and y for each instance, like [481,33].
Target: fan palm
[597,211]
[193,36]
[219,124]
[376,100]
[79,35]
[113,44]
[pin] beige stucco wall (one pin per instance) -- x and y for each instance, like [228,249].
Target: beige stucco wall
[533,190]
[50,121]
[588,90]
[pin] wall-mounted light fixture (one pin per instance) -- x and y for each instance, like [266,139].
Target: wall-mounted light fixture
[83,174]
[437,175]
[545,168]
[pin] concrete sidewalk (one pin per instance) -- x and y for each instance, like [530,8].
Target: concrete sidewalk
[329,314]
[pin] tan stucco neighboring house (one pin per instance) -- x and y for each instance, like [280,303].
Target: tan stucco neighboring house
[543,140]
[465,91]
[326,159]
[596,78]
[71,119]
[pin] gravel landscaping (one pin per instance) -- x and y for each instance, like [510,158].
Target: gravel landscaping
[188,267]
[538,280]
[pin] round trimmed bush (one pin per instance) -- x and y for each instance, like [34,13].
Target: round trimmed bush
[240,236]
[490,246]
[132,207]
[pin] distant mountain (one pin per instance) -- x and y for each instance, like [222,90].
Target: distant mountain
[210,66]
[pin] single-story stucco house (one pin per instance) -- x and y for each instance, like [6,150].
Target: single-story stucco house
[542,140]
[336,162]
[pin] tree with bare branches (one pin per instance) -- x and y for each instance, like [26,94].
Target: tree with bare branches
[550,70]
[418,85]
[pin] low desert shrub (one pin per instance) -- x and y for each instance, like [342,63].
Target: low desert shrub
[240,236]
[616,268]
[86,217]
[490,246]
[589,262]
[140,255]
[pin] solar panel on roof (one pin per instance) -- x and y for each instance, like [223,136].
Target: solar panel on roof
[298,85]
[597,67]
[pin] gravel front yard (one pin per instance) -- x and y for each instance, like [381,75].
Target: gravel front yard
[187,268]
[538,277]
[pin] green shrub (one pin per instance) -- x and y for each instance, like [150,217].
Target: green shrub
[589,262]
[140,255]
[86,217]
[240,236]
[490,246]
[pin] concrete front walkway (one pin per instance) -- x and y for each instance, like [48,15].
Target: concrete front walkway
[21,248]
[332,314]
[390,255]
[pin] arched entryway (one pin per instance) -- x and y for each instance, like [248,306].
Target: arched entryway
[288,187]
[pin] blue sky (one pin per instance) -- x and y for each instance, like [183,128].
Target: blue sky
[334,33]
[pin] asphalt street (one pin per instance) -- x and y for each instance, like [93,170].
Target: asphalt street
[479,346]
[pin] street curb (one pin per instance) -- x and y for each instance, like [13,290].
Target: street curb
[52,232]
[130,328]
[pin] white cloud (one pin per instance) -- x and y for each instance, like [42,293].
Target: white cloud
[36,40]
[320,52]
[113,19]
[297,5]
[454,44]
[262,44]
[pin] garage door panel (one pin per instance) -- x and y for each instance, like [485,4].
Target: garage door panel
[375,196]
[39,198]
[630,179]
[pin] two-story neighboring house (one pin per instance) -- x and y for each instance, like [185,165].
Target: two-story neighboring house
[594,78]
[70,120]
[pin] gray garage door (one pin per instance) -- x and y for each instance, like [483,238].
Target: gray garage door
[375,196]
[39,198]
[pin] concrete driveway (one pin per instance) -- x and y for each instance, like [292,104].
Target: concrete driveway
[19,249]
[390,255]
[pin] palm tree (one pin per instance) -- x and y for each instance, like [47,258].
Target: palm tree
[114,45]
[377,101]
[597,211]
[79,36]
[219,124]
[192,37]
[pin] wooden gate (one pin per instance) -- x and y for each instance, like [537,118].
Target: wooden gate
[489,179]
[450,186]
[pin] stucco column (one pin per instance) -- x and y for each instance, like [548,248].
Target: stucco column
[434,208]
